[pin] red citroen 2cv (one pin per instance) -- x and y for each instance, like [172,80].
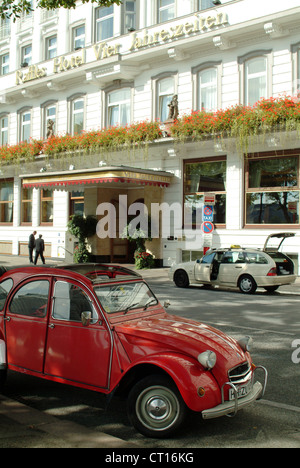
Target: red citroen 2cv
[100,327]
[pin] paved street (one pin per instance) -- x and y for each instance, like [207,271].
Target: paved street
[273,321]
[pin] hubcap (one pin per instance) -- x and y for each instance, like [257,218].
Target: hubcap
[157,408]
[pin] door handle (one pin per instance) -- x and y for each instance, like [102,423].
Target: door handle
[52,325]
[7,319]
[238,267]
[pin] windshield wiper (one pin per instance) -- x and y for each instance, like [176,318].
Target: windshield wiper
[149,303]
[132,306]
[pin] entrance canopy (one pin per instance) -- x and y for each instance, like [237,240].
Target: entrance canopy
[117,176]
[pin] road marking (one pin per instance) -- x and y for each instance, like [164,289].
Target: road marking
[280,405]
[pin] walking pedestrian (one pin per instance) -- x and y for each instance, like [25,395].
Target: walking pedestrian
[31,245]
[39,249]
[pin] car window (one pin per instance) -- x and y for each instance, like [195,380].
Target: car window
[234,257]
[5,287]
[256,257]
[125,297]
[69,301]
[208,258]
[31,299]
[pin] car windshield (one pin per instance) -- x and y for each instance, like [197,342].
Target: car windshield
[123,297]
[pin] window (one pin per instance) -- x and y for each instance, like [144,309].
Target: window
[5,287]
[204,4]
[46,206]
[51,47]
[76,203]
[70,301]
[31,299]
[25,125]
[272,190]
[207,90]
[201,177]
[26,205]
[78,37]
[165,92]
[118,107]
[26,55]
[129,16]
[77,115]
[166,10]
[4,64]
[6,201]
[4,130]
[104,23]
[255,80]
[4,28]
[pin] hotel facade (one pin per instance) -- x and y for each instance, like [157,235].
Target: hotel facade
[78,71]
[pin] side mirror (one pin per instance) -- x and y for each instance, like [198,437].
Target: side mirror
[167,304]
[86,318]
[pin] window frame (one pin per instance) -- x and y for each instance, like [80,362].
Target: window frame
[126,28]
[25,206]
[219,193]
[3,64]
[109,17]
[114,105]
[81,37]
[50,50]
[46,201]
[269,190]
[26,57]
[7,204]
[295,52]
[161,9]
[198,70]
[72,100]
[44,108]
[4,130]
[22,123]
[244,60]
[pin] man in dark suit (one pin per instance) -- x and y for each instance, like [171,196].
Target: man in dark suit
[39,249]
[31,245]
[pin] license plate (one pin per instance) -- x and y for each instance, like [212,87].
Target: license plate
[241,391]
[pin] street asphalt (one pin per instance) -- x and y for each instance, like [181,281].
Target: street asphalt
[24,427]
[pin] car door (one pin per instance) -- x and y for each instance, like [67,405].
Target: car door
[26,325]
[232,265]
[74,351]
[203,268]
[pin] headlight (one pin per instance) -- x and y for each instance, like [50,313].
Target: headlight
[208,359]
[246,343]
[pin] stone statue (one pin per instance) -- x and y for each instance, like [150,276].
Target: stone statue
[173,108]
[50,128]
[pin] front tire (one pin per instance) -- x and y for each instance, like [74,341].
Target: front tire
[181,279]
[247,284]
[155,407]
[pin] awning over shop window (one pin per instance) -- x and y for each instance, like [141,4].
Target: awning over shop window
[92,177]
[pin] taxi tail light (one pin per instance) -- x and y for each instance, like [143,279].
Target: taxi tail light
[272,272]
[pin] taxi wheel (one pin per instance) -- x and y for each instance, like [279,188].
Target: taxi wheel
[155,407]
[247,284]
[181,279]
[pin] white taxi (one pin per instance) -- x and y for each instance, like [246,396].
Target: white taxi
[244,268]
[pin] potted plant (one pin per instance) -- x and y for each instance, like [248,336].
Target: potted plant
[82,228]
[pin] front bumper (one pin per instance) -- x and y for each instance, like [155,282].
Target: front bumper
[230,408]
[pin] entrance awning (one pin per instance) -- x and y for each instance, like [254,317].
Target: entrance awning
[73,179]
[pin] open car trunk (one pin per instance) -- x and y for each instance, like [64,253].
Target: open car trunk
[284,265]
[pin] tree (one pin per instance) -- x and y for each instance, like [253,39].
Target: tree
[13,9]
[82,228]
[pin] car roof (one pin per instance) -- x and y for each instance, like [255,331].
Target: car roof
[95,272]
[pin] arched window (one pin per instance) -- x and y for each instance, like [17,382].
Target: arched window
[118,107]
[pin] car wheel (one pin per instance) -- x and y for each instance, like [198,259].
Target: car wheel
[247,284]
[271,288]
[155,407]
[181,279]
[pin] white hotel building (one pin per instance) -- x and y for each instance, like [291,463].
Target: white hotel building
[91,68]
